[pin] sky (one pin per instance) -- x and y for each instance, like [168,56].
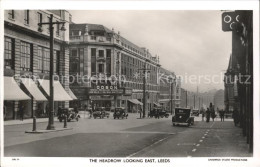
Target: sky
[189,43]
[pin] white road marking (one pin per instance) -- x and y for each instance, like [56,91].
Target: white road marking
[147,147]
[194,150]
[201,140]
[203,137]
[198,145]
[212,124]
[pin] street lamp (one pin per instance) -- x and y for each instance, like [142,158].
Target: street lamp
[172,81]
[145,70]
[51,101]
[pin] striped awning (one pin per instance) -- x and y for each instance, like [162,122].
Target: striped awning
[72,95]
[59,92]
[135,101]
[12,91]
[33,89]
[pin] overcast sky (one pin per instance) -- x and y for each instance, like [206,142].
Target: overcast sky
[187,42]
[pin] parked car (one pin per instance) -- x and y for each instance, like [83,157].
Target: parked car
[101,113]
[69,112]
[120,112]
[157,113]
[182,117]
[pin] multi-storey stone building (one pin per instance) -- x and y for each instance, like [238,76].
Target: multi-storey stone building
[27,54]
[98,52]
[169,83]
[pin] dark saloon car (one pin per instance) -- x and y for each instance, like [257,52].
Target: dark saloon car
[100,113]
[182,117]
[157,113]
[120,112]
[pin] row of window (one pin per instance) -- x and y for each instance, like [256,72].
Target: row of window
[140,86]
[11,15]
[26,57]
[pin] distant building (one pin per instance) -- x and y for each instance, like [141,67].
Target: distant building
[101,53]
[219,100]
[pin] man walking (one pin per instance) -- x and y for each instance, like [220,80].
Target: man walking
[222,114]
[207,115]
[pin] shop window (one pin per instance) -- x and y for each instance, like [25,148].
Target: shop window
[101,68]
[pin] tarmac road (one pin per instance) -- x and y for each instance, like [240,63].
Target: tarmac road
[130,137]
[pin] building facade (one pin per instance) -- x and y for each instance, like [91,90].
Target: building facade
[99,54]
[27,58]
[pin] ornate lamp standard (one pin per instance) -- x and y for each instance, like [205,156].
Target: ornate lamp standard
[145,70]
[171,81]
[51,99]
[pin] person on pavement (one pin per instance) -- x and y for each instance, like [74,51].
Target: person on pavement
[203,115]
[207,115]
[222,114]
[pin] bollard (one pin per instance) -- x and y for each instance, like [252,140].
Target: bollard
[65,121]
[34,124]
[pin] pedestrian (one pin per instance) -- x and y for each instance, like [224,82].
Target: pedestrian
[203,115]
[140,113]
[207,115]
[222,115]
[21,111]
[213,115]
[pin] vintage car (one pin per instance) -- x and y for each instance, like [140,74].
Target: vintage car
[101,113]
[69,113]
[157,113]
[120,112]
[182,117]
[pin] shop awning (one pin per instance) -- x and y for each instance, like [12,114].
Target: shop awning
[164,100]
[12,91]
[135,101]
[157,104]
[33,89]
[58,91]
[72,95]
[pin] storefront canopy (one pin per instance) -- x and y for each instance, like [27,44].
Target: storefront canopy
[33,89]
[72,95]
[12,91]
[59,92]
[157,104]
[164,100]
[135,101]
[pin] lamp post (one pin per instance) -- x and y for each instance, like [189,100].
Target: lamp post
[51,99]
[172,81]
[144,70]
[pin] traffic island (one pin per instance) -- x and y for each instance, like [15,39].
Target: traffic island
[48,131]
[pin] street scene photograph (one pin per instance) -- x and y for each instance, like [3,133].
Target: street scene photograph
[128,83]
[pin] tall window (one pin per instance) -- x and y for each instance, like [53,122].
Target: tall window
[46,60]
[39,18]
[57,30]
[108,62]
[26,17]
[40,59]
[11,14]
[9,53]
[26,56]
[93,61]
[74,61]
